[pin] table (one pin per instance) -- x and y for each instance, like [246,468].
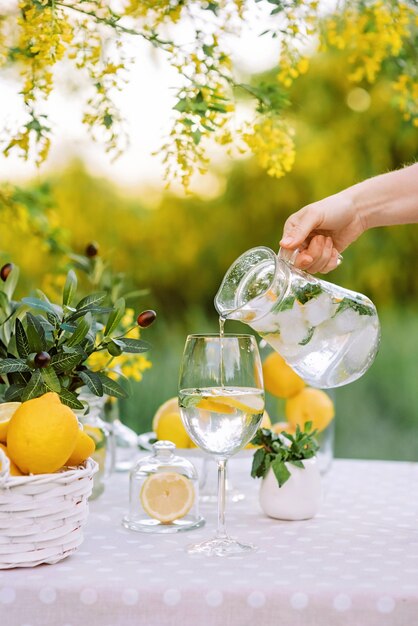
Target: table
[355,564]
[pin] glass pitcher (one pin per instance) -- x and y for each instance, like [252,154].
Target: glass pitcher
[327,334]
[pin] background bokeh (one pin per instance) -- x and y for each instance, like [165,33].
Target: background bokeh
[179,247]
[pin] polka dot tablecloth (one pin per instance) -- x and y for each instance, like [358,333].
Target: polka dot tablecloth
[355,564]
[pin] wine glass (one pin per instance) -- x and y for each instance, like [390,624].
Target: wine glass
[221,400]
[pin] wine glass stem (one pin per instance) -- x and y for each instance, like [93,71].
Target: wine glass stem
[221,532]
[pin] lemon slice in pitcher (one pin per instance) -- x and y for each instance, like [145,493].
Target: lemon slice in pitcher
[167,496]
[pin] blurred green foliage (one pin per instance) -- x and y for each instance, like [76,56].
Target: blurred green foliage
[181,247]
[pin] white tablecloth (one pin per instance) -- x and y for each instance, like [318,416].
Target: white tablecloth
[355,564]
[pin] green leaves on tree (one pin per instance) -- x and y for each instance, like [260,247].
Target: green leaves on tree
[44,346]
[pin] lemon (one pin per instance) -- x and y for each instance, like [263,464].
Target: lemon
[215,405]
[279,427]
[42,435]
[170,427]
[226,404]
[6,411]
[167,496]
[97,434]
[84,447]
[310,405]
[279,378]
[169,406]
[14,470]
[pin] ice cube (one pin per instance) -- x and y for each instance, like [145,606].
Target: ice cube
[362,348]
[295,313]
[347,320]
[267,324]
[319,309]
[293,331]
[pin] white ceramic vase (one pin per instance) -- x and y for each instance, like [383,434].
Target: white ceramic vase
[299,498]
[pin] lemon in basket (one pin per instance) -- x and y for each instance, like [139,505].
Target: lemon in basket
[6,411]
[84,447]
[14,470]
[167,496]
[42,435]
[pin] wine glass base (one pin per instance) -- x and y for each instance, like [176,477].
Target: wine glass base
[225,546]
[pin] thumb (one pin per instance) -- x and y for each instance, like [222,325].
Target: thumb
[298,227]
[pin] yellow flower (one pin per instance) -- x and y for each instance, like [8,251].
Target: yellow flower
[272,143]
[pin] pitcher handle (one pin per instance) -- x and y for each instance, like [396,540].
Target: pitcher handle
[289,256]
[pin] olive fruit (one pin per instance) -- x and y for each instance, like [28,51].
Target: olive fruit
[5,271]
[42,359]
[92,249]
[146,318]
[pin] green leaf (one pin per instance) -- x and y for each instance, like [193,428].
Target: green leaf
[70,288]
[283,305]
[35,333]
[50,379]
[257,469]
[22,343]
[113,348]
[81,330]
[111,387]
[70,399]
[66,361]
[297,464]
[115,317]
[4,306]
[93,382]
[358,307]
[308,337]
[309,291]
[91,308]
[134,346]
[34,388]
[93,299]
[13,365]
[280,471]
[189,402]
[43,305]
[14,392]
[81,262]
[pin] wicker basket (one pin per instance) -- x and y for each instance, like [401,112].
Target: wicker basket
[41,517]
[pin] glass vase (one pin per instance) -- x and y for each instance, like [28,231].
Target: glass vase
[100,431]
[124,438]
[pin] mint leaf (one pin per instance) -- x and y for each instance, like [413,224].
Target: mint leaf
[257,469]
[358,307]
[309,291]
[280,471]
[308,337]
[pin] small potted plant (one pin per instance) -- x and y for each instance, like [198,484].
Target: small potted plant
[291,485]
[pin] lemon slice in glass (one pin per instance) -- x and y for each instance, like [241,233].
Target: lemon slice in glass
[167,496]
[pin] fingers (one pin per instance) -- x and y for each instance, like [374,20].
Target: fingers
[298,227]
[319,256]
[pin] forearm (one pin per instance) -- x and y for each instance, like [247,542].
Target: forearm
[387,199]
